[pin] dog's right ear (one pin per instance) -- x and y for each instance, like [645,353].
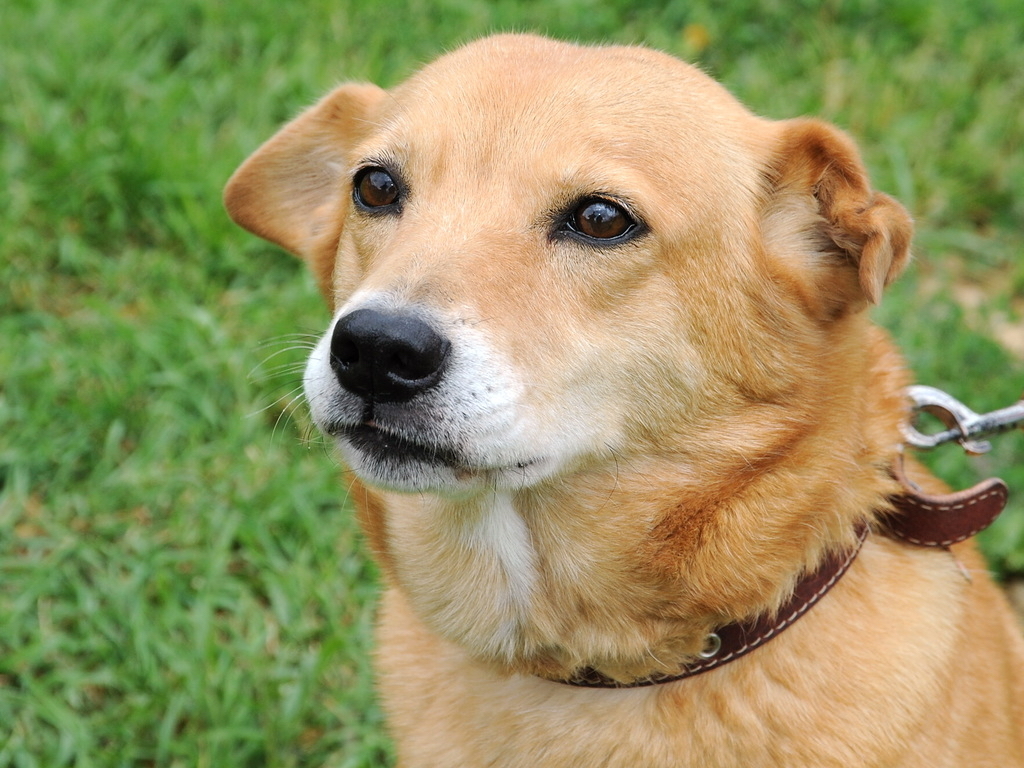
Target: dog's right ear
[290,191]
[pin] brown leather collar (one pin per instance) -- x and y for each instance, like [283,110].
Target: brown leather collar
[917,518]
[942,520]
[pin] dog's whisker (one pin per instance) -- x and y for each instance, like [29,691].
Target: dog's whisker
[284,369]
[294,402]
[287,406]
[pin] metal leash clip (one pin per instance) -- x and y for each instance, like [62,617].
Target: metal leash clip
[962,424]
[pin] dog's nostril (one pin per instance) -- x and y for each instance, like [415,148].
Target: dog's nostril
[344,350]
[386,357]
[412,366]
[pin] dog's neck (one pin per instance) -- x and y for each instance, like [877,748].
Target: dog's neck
[915,517]
[542,585]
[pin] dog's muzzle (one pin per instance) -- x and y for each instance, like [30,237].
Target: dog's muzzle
[388,367]
[419,402]
[386,357]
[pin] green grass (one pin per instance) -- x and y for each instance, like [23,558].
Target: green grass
[180,584]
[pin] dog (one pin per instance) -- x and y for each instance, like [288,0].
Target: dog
[601,367]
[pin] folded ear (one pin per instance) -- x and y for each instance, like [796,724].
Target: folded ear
[820,204]
[291,192]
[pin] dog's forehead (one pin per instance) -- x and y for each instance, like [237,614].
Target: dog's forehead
[529,88]
[526,66]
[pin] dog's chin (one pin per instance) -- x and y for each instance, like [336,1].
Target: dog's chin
[396,463]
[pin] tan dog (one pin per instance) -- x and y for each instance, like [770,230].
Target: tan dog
[601,364]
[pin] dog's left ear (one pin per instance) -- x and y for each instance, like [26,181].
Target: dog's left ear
[820,203]
[291,192]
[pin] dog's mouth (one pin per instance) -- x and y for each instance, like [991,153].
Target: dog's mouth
[392,460]
[369,439]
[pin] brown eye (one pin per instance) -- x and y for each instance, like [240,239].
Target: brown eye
[601,220]
[375,188]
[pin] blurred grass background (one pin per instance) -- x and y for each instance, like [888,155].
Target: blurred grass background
[179,583]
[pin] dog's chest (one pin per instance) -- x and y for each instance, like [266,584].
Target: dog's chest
[471,570]
[501,534]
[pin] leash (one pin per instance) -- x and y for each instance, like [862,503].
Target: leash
[916,517]
[962,424]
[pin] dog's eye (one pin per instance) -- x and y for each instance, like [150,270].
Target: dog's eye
[375,188]
[600,219]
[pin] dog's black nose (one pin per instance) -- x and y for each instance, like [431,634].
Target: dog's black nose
[384,357]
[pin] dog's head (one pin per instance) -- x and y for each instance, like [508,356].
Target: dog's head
[543,256]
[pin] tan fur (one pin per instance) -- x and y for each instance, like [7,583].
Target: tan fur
[716,411]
